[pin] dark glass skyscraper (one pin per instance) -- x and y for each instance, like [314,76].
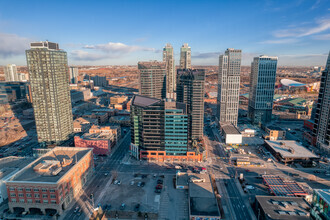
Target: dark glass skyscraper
[322,114]
[191,90]
[262,85]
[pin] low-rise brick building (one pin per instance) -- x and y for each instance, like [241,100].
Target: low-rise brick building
[50,183]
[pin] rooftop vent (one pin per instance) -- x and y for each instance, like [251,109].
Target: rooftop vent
[48,167]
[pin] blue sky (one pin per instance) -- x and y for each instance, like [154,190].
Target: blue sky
[125,32]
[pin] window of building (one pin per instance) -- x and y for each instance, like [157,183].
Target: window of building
[28,195]
[22,200]
[29,201]
[36,196]
[13,200]
[13,195]
[36,189]
[45,201]
[52,190]
[53,201]
[44,189]
[20,189]
[11,188]
[38,201]
[28,189]
[44,196]
[20,195]
[53,196]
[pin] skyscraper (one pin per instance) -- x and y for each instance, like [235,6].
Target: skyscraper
[158,125]
[322,116]
[190,90]
[11,74]
[152,79]
[262,85]
[73,74]
[228,86]
[48,68]
[168,58]
[185,57]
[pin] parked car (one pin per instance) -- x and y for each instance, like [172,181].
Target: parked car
[119,182]
[158,190]
[132,183]
[122,207]
[115,182]
[76,209]
[139,184]
[137,207]
[159,181]
[159,186]
[143,184]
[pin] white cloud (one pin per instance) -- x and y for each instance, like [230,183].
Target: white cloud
[280,41]
[86,56]
[113,47]
[12,45]
[320,26]
[322,37]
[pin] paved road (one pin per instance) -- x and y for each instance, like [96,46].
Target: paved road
[235,204]
[85,203]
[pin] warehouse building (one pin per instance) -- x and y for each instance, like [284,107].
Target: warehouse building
[231,134]
[288,151]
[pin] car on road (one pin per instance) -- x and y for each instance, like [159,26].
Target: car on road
[139,184]
[106,174]
[158,190]
[137,207]
[116,182]
[159,181]
[249,187]
[159,186]
[122,207]
[119,182]
[154,176]
[76,209]
[132,183]
[143,184]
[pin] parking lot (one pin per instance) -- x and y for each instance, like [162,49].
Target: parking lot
[146,193]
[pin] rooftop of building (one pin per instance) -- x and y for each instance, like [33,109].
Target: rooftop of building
[202,199]
[10,165]
[274,127]
[281,187]
[144,101]
[229,129]
[81,120]
[291,83]
[52,166]
[294,101]
[45,44]
[120,118]
[104,110]
[290,149]
[324,193]
[279,207]
[97,136]
[182,178]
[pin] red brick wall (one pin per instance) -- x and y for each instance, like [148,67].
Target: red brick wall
[100,147]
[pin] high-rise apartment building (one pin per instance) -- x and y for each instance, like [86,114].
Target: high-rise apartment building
[185,57]
[11,74]
[191,90]
[152,79]
[73,74]
[228,86]
[48,69]
[322,115]
[262,85]
[168,58]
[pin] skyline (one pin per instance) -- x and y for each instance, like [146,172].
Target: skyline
[105,34]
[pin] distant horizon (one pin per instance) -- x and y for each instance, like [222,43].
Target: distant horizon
[125,32]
